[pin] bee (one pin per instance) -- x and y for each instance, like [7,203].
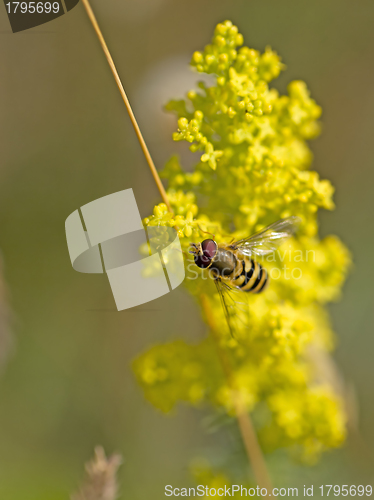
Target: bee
[234,268]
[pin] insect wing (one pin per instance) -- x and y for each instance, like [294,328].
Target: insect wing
[269,239]
[235,307]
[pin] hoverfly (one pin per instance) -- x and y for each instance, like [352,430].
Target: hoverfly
[234,267]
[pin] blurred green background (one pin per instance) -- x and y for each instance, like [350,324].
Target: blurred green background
[66,140]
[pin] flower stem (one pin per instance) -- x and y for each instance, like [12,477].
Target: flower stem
[251,444]
[139,135]
[247,431]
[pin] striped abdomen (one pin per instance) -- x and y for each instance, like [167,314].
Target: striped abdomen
[253,277]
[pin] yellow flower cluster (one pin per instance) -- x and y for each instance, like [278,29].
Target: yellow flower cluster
[253,170]
[312,420]
[178,372]
[214,482]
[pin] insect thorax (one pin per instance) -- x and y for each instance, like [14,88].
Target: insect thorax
[224,262]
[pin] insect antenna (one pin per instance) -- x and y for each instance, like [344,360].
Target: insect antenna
[206,232]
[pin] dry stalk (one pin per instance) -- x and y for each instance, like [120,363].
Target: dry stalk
[101,481]
[139,135]
[246,428]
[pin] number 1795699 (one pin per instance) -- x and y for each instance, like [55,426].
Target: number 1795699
[33,7]
[346,490]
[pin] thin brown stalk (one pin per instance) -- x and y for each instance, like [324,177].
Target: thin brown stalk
[247,431]
[246,428]
[139,135]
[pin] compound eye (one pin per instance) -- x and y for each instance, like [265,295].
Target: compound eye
[209,249]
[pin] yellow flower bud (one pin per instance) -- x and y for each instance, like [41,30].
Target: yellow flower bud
[182,123]
[197,57]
